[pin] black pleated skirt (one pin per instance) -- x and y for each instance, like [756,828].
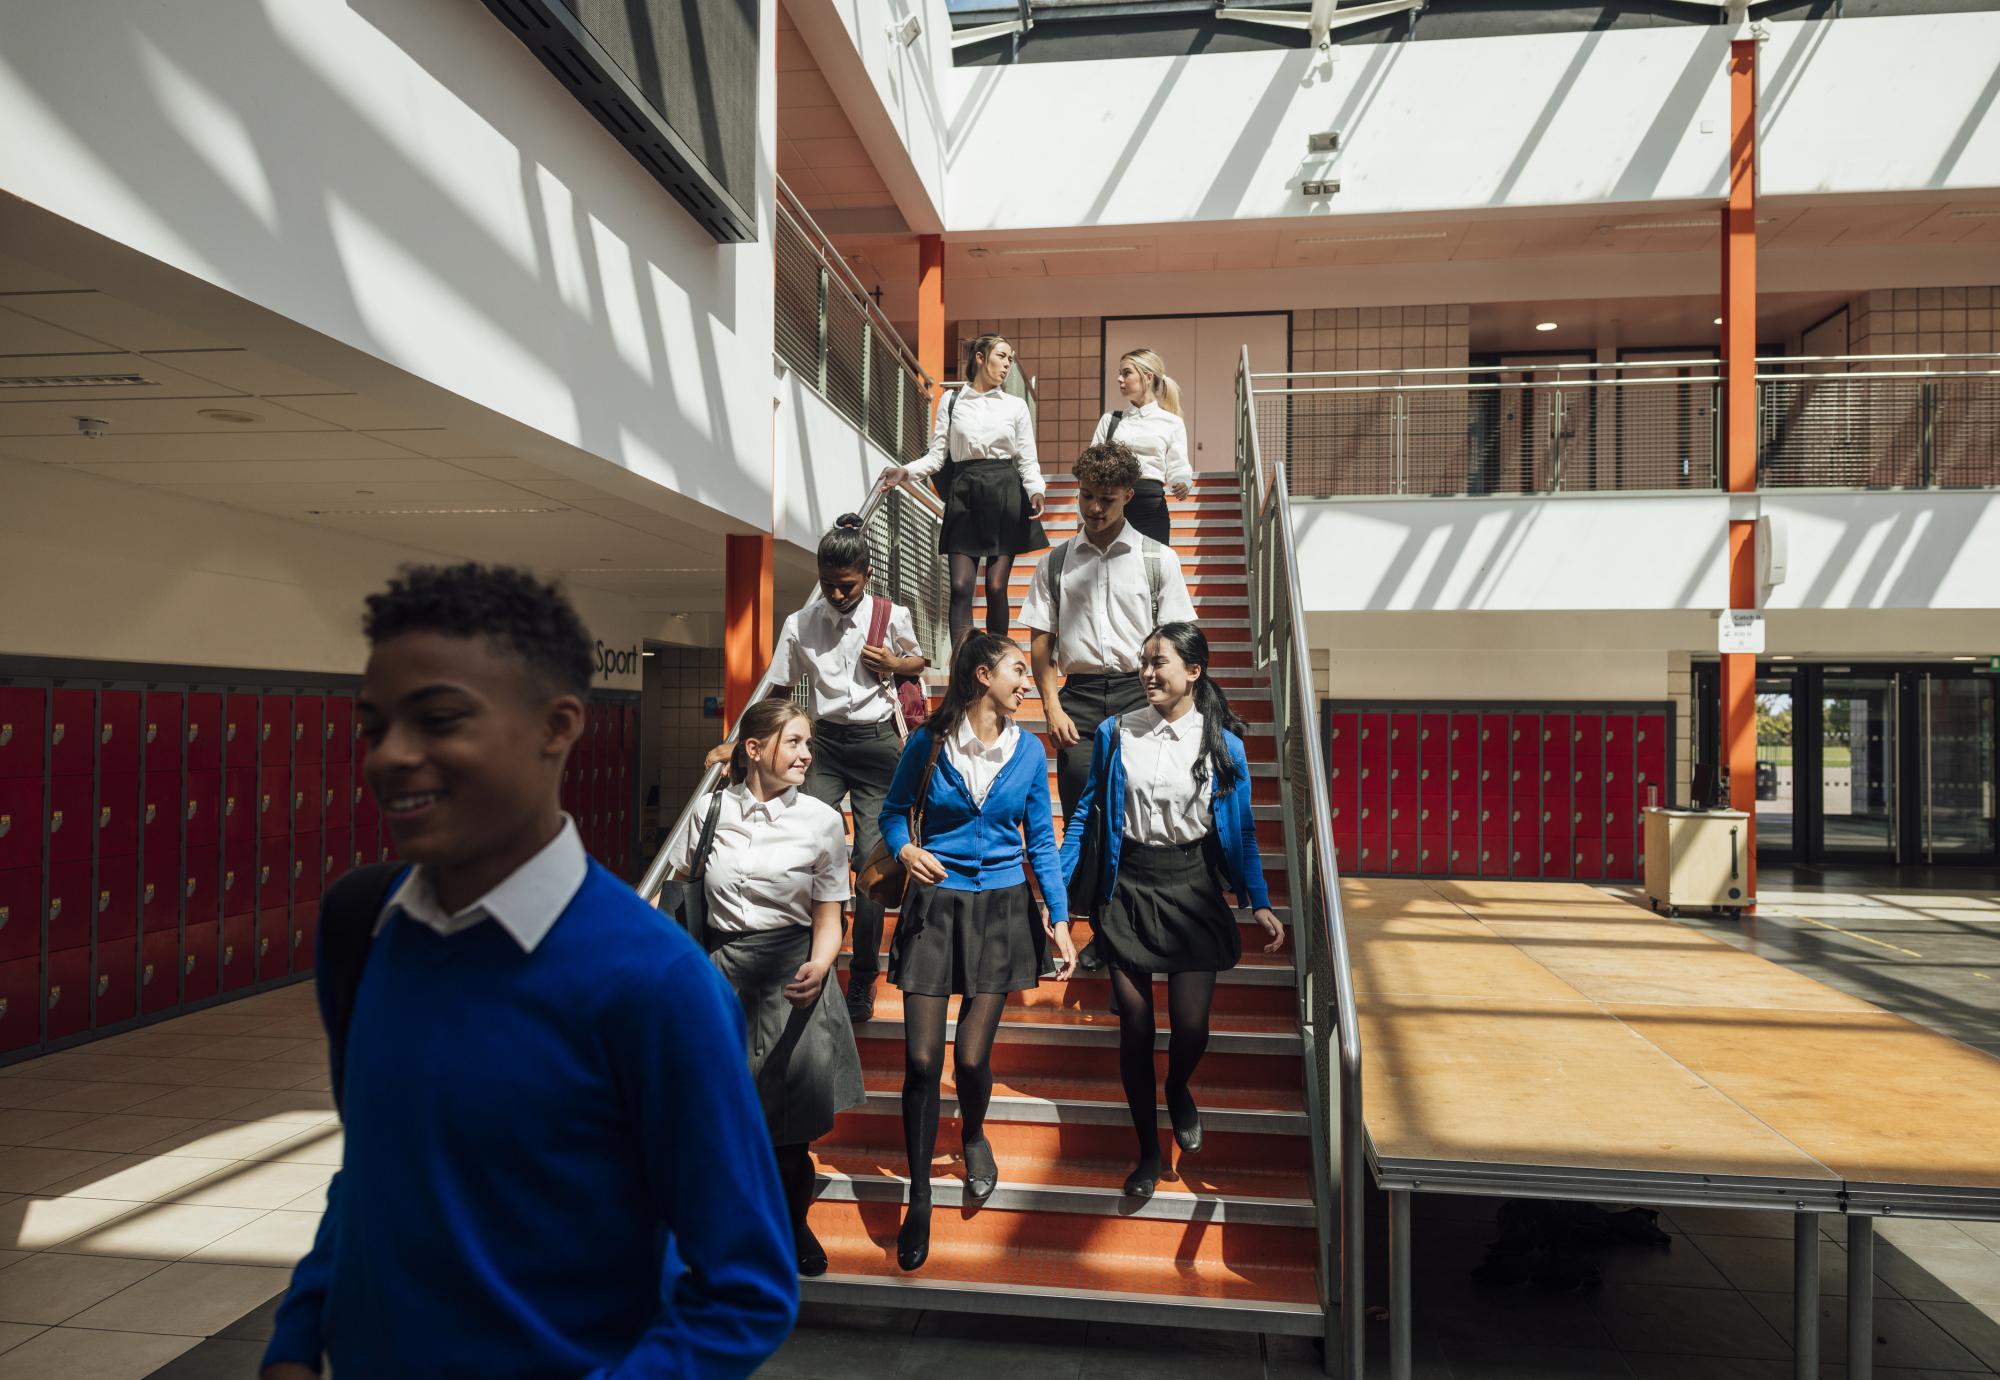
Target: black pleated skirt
[1168,912]
[964,942]
[986,512]
[805,1063]
[1148,513]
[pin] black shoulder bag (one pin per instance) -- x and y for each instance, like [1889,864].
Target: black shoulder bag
[347,919]
[687,901]
[949,470]
[1086,883]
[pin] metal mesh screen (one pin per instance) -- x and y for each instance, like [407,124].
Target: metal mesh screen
[903,540]
[797,306]
[884,375]
[1844,430]
[845,319]
[916,419]
[1967,432]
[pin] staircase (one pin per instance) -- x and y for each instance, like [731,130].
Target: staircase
[1229,1239]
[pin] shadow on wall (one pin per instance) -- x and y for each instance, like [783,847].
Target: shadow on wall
[274,220]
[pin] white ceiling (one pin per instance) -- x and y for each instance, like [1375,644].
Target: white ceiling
[314,452]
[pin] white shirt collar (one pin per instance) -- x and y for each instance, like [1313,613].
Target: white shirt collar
[769,809]
[1187,725]
[1151,409]
[527,904]
[1126,540]
[968,741]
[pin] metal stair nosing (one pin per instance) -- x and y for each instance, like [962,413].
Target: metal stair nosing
[1017,1109]
[1167,1205]
[1047,1301]
[1242,975]
[1281,1044]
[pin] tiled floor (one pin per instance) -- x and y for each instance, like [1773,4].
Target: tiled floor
[155,1189]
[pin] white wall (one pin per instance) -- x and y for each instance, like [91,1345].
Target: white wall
[103,571]
[825,465]
[1612,116]
[1582,552]
[1889,551]
[408,180]
[893,95]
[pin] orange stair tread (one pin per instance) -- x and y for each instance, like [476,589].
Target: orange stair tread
[1058,1088]
[1184,1174]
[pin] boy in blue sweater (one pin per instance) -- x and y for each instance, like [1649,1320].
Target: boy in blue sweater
[555,1162]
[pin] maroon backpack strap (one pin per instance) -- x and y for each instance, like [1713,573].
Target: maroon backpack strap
[878,622]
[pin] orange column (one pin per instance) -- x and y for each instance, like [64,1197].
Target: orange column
[1739,402]
[930,308]
[748,596]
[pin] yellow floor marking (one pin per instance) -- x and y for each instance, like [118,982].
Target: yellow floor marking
[1865,939]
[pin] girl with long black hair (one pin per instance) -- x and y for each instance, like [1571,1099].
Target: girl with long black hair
[970,925]
[992,486]
[1172,785]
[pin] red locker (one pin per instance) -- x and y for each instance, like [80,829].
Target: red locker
[72,728]
[160,972]
[118,890]
[21,822]
[571,793]
[1651,752]
[116,965]
[164,811]
[1374,788]
[23,732]
[1434,795]
[203,814]
[1343,775]
[20,913]
[1587,809]
[274,943]
[70,902]
[199,970]
[239,731]
[1404,792]
[274,874]
[118,811]
[274,800]
[341,729]
[166,728]
[1621,812]
[1558,796]
[201,886]
[307,806]
[68,993]
[275,734]
[339,857]
[309,729]
[118,733]
[160,893]
[239,951]
[305,940]
[1462,819]
[308,867]
[204,731]
[336,797]
[1495,838]
[239,804]
[20,1003]
[70,818]
[367,814]
[1524,795]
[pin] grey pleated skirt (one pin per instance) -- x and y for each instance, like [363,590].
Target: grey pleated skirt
[804,1062]
[962,942]
[1168,912]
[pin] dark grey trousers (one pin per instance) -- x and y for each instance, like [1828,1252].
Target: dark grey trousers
[1089,701]
[856,761]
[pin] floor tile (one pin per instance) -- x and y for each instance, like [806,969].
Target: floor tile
[21,1093]
[1972,1326]
[840,1353]
[274,1076]
[1113,1351]
[201,1297]
[1706,1322]
[1941,1273]
[25,1127]
[120,1133]
[36,1224]
[321,1144]
[13,1258]
[1648,1366]
[224,1139]
[276,1238]
[313,1201]
[161,1231]
[202,1103]
[1698,1221]
[49,1288]
[138,1178]
[30,1169]
[1539,1363]
[13,1334]
[295,1105]
[251,1184]
[101,1097]
[1762,1264]
[1986,1234]
[75,1353]
[218,1358]
[1903,1335]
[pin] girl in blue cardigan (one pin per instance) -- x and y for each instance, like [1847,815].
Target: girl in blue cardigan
[970,925]
[1168,801]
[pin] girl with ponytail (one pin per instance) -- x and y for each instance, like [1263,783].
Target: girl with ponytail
[1152,426]
[1168,804]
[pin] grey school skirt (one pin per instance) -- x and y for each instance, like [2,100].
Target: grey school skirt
[804,1062]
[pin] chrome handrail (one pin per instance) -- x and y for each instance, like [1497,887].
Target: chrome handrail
[790,204]
[1272,566]
[656,871]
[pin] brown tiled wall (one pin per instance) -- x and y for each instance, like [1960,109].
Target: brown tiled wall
[1437,335]
[1906,321]
[687,675]
[1065,355]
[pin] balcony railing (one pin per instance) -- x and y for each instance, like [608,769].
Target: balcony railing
[831,332]
[1872,421]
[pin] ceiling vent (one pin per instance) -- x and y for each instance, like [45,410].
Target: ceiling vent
[77,381]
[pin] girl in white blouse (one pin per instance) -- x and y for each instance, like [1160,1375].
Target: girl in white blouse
[776,882]
[1150,425]
[983,454]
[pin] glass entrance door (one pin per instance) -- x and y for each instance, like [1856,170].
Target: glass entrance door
[1776,771]
[1856,771]
[1956,768]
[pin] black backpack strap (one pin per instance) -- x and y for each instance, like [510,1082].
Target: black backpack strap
[1112,430]
[347,918]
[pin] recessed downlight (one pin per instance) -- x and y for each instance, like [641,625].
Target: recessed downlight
[1545,325]
[230,415]
[1718,321]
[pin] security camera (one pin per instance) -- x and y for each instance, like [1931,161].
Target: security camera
[93,427]
[906,32]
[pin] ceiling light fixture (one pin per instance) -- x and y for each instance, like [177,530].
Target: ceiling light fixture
[1965,658]
[1320,186]
[1545,325]
[641,570]
[1977,212]
[77,381]
[229,415]
[1707,223]
[1372,239]
[906,32]
[1076,249]
[1718,321]
[1784,656]
[93,427]
[425,512]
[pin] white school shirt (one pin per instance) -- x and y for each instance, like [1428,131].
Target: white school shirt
[1163,804]
[977,763]
[772,859]
[984,426]
[1107,603]
[527,904]
[824,645]
[1157,437]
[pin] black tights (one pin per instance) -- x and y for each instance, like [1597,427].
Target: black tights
[999,607]
[796,1174]
[1188,998]
[923,1069]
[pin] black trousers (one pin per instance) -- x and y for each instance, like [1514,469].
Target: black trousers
[1148,511]
[1089,700]
[856,761]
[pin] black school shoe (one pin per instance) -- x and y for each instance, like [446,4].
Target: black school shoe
[860,997]
[1090,960]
